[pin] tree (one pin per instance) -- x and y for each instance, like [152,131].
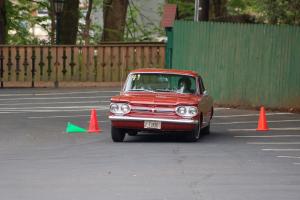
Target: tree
[219,8]
[139,26]
[87,27]
[267,11]
[185,8]
[22,20]
[281,11]
[114,18]
[204,12]
[51,15]
[69,22]
[2,22]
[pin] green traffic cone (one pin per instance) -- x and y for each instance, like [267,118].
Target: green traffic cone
[71,128]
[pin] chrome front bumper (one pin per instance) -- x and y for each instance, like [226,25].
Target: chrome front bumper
[128,118]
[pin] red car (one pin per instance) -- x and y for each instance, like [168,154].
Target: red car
[163,100]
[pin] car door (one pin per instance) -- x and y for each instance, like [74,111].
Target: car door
[205,105]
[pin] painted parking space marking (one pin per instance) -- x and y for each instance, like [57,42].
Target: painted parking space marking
[293,157]
[285,138]
[255,122]
[280,149]
[59,116]
[62,116]
[54,107]
[58,93]
[48,111]
[219,108]
[271,129]
[265,136]
[250,115]
[273,143]
[47,103]
[53,98]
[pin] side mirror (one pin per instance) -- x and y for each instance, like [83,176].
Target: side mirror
[205,93]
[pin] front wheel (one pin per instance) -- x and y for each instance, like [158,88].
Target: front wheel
[117,134]
[195,134]
[206,130]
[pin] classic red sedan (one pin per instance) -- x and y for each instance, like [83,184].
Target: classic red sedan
[163,100]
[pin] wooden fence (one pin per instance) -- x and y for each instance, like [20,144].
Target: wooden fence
[48,65]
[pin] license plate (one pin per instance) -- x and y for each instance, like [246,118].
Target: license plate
[152,124]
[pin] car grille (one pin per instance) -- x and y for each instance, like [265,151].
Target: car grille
[152,109]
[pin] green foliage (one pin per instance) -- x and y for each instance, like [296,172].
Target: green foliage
[96,29]
[268,11]
[185,8]
[281,11]
[21,21]
[265,11]
[140,30]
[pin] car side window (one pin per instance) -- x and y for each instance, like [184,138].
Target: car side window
[201,86]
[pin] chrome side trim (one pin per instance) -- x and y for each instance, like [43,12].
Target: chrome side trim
[128,118]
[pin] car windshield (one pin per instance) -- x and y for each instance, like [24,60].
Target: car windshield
[156,82]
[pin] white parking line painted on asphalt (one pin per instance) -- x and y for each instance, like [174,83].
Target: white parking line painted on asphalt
[54,107]
[293,157]
[46,103]
[280,149]
[57,93]
[14,112]
[296,163]
[273,143]
[49,111]
[271,129]
[49,98]
[254,122]
[222,108]
[59,116]
[265,136]
[250,115]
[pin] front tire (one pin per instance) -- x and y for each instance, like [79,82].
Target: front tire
[195,135]
[117,134]
[206,130]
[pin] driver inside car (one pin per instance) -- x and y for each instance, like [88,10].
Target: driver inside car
[184,85]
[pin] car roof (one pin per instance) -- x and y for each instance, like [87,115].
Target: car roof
[166,71]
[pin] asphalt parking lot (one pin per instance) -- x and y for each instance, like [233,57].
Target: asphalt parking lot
[39,160]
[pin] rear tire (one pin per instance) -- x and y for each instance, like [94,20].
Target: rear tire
[117,134]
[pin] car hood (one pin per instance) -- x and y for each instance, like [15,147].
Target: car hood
[169,99]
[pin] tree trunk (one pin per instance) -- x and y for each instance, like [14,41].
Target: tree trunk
[51,14]
[219,8]
[204,12]
[86,35]
[69,22]
[114,17]
[3,28]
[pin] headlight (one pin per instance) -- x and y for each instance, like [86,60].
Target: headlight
[119,108]
[186,111]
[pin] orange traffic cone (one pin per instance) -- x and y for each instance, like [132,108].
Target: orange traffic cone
[93,126]
[262,121]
